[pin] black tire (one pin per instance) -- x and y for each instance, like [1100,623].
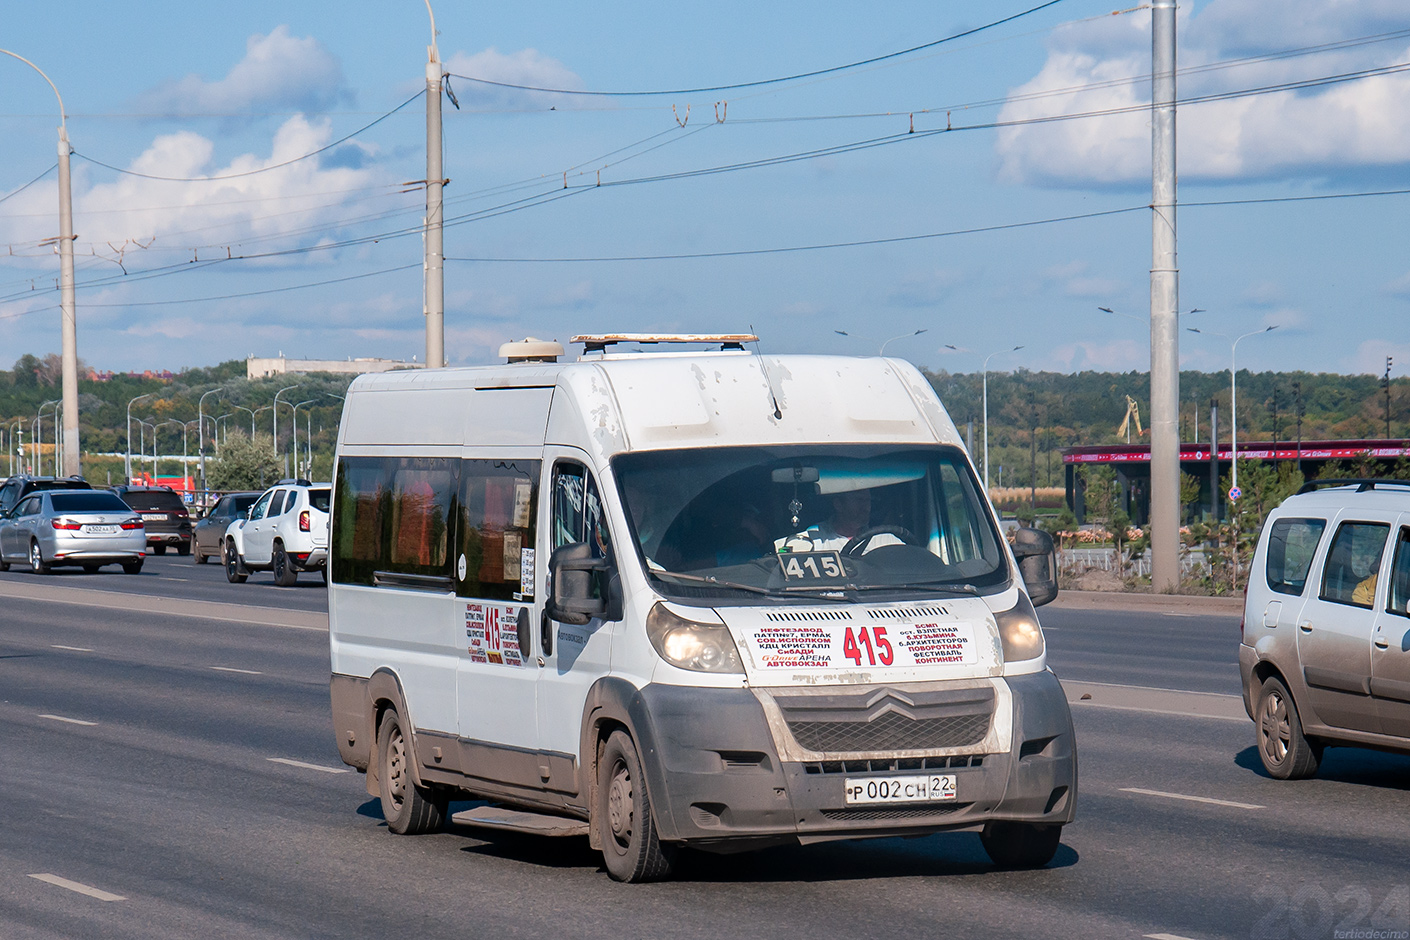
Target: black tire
[200,556]
[1285,752]
[631,846]
[132,567]
[4,566]
[233,572]
[37,564]
[1020,845]
[409,810]
[183,548]
[91,569]
[324,571]
[158,549]
[283,567]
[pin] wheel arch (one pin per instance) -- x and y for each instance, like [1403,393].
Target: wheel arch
[614,704]
[385,691]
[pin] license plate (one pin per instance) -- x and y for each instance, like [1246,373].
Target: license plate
[155,516]
[922,788]
[101,530]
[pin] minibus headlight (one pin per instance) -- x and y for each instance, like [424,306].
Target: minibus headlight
[699,647]
[1019,631]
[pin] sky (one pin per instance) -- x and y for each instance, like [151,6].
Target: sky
[231,199]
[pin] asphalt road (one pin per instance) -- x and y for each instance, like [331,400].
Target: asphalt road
[186,765]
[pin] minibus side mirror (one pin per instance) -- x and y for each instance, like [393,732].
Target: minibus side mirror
[582,586]
[1037,563]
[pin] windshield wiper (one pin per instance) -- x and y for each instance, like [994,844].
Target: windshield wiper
[754,589]
[946,586]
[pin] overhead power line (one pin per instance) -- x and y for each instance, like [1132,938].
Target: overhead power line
[263,169]
[765,81]
[16,192]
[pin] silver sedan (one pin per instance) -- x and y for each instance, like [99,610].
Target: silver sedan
[90,528]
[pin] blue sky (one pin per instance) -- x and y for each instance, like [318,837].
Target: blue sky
[197,92]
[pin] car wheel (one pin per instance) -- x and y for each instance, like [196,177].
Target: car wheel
[631,846]
[409,810]
[4,566]
[1285,752]
[233,574]
[323,571]
[1020,845]
[132,567]
[91,569]
[158,549]
[200,556]
[284,573]
[183,548]
[37,564]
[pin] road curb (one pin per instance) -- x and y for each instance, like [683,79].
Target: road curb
[1124,600]
[167,606]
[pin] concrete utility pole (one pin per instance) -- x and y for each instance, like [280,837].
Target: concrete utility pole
[435,208]
[68,319]
[1165,304]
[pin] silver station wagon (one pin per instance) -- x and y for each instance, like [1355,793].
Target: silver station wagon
[89,528]
[1325,654]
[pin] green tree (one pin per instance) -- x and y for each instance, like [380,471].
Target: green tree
[244,464]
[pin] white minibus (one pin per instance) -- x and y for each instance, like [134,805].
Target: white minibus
[701,598]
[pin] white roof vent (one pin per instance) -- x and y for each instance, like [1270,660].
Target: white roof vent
[532,349]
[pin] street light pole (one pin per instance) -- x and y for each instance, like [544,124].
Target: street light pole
[296,432]
[127,460]
[882,351]
[275,406]
[986,413]
[68,319]
[1233,395]
[435,207]
[39,436]
[201,433]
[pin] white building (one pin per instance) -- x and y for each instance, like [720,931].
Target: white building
[259,368]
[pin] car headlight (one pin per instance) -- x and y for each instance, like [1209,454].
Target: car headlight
[1019,631]
[699,647]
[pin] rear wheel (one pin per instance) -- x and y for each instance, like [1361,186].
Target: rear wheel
[183,548]
[631,846]
[1020,845]
[4,566]
[91,569]
[1285,752]
[37,564]
[284,573]
[233,574]
[132,567]
[158,549]
[409,810]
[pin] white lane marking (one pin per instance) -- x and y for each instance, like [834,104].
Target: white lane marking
[80,888]
[1193,799]
[166,577]
[76,649]
[72,721]
[1165,936]
[1159,711]
[247,672]
[299,763]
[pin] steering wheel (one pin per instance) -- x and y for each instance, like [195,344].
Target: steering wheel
[855,544]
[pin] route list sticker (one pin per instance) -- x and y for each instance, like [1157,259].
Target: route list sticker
[492,635]
[817,646]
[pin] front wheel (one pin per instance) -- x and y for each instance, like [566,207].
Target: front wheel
[631,846]
[1285,751]
[233,574]
[284,573]
[1020,845]
[37,564]
[409,810]
[200,556]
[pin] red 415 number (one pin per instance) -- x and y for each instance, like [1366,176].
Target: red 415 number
[877,646]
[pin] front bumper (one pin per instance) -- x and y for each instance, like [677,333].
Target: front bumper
[719,782]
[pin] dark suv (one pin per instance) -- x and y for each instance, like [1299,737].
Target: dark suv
[165,516]
[21,485]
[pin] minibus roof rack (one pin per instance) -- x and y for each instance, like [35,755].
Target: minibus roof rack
[727,341]
[1361,484]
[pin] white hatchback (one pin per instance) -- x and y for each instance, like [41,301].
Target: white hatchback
[285,532]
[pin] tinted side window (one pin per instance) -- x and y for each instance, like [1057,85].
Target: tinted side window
[261,507]
[318,499]
[1349,576]
[393,515]
[498,509]
[1400,576]
[1291,545]
[29,507]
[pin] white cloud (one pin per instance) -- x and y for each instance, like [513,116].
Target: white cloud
[278,71]
[1120,355]
[1370,358]
[1314,132]
[525,67]
[926,288]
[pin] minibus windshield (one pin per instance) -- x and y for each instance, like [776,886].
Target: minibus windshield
[820,520]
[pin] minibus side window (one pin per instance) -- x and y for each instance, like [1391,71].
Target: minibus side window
[498,508]
[392,515]
[578,513]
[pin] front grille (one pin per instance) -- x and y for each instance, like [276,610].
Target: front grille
[891,732]
[906,613]
[916,811]
[784,616]
[893,764]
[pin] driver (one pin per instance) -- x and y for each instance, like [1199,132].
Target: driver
[848,517]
